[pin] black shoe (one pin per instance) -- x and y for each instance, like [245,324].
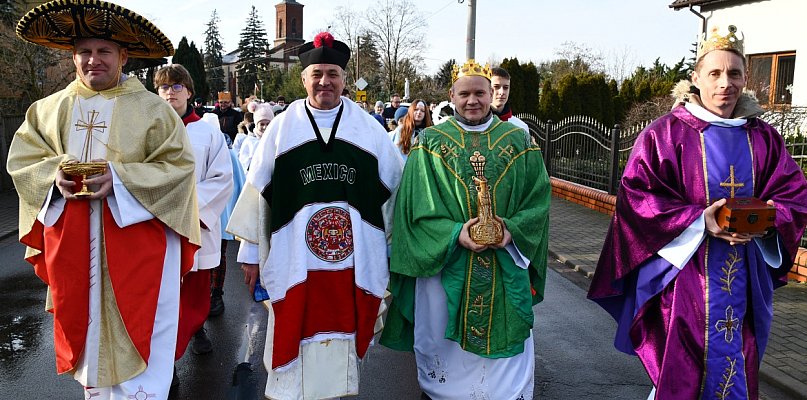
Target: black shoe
[201,343]
[216,303]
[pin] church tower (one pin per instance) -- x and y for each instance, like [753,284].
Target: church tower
[289,23]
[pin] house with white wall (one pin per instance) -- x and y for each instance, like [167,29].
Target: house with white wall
[775,35]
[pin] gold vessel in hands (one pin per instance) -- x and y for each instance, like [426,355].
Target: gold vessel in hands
[83,169]
[488,230]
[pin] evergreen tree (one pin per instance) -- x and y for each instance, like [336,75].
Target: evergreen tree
[590,95]
[252,53]
[212,59]
[196,68]
[525,83]
[189,57]
[273,78]
[569,94]
[516,98]
[292,86]
[443,76]
[182,54]
[549,104]
[531,88]
[370,66]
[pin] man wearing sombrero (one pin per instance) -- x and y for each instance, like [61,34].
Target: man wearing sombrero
[112,255]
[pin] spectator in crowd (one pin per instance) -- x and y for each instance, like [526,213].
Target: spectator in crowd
[199,106]
[409,127]
[229,117]
[378,110]
[263,115]
[389,112]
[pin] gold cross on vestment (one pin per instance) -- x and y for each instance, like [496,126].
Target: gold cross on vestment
[731,182]
[507,151]
[479,305]
[91,126]
[728,325]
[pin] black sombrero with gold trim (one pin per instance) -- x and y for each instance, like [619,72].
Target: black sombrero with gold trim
[59,23]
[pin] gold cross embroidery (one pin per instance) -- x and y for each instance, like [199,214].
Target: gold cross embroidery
[506,151]
[728,325]
[731,182]
[479,305]
[90,126]
[448,150]
[484,262]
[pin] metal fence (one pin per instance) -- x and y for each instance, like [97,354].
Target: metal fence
[582,150]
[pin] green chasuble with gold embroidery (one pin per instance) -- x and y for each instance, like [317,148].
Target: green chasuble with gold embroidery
[490,298]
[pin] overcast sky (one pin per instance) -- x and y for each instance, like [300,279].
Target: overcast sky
[638,31]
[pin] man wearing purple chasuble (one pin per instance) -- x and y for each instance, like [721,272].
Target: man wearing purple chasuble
[693,301]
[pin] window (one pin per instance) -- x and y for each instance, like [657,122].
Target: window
[280,28]
[771,77]
[293,27]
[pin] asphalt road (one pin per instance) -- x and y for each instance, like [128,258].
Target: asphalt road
[575,358]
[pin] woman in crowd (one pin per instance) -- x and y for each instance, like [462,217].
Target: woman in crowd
[409,127]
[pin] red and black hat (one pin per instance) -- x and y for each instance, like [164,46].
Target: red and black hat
[324,50]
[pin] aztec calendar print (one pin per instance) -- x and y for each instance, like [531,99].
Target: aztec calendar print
[329,234]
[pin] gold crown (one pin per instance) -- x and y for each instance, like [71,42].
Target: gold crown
[470,68]
[716,41]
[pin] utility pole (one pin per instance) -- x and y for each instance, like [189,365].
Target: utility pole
[358,44]
[470,40]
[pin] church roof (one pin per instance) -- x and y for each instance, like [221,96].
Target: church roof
[679,4]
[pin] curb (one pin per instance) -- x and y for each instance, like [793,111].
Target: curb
[586,271]
[9,234]
[787,384]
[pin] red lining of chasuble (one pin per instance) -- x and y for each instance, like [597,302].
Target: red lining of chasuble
[35,239]
[326,302]
[135,256]
[194,305]
[64,266]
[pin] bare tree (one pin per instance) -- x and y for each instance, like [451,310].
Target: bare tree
[641,113]
[348,27]
[573,58]
[398,29]
[620,63]
[31,72]
[583,57]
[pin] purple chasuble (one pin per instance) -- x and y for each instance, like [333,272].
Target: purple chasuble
[699,332]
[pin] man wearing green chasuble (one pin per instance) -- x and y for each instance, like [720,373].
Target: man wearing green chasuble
[469,250]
